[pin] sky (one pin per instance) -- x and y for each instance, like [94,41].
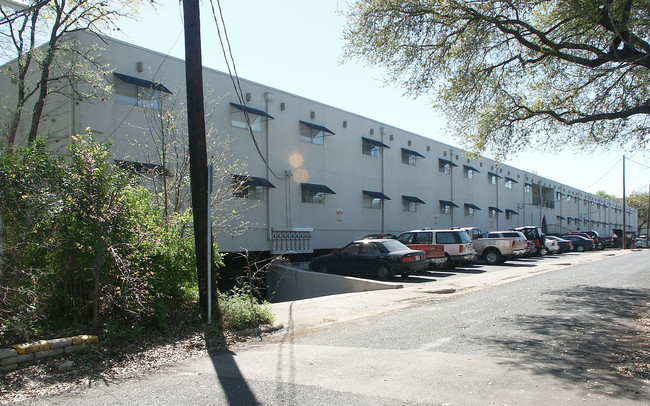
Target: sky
[296,46]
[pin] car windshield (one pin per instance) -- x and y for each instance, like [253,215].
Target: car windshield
[394,245]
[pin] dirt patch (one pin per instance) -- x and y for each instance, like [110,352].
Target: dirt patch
[113,363]
[636,363]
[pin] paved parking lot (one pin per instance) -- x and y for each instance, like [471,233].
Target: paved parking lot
[566,259]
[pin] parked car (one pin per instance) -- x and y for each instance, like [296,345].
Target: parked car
[593,235]
[580,243]
[550,246]
[379,237]
[641,243]
[457,244]
[610,242]
[565,245]
[534,234]
[383,258]
[530,249]
[630,237]
[424,241]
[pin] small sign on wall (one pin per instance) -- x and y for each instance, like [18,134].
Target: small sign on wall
[339,214]
[435,220]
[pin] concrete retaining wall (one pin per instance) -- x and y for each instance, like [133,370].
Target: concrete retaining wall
[21,355]
[287,283]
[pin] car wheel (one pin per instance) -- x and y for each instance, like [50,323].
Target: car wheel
[492,257]
[383,272]
[544,251]
[449,264]
[580,248]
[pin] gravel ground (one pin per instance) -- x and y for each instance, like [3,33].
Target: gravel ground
[112,364]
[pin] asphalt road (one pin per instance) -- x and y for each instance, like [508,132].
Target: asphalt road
[548,339]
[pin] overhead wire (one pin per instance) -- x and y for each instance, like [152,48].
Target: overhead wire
[606,173]
[234,77]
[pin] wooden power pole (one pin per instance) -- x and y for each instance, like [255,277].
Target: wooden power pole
[197,143]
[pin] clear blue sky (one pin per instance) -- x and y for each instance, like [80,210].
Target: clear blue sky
[296,46]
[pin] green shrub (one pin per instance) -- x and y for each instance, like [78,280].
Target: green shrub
[241,311]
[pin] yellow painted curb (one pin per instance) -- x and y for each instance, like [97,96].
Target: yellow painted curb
[29,348]
[84,339]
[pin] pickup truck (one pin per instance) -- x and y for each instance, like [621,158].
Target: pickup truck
[497,246]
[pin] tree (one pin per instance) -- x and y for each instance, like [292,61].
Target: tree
[38,72]
[639,201]
[517,74]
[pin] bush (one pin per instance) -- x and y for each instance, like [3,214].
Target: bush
[240,311]
[82,243]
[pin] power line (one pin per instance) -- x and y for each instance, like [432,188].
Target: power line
[234,77]
[606,173]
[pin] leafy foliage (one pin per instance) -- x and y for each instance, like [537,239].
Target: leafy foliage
[517,74]
[240,310]
[82,243]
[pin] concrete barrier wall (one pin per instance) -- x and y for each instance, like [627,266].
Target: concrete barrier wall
[286,283]
[21,355]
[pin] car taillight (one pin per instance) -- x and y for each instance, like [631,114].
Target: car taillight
[460,249]
[410,258]
[513,243]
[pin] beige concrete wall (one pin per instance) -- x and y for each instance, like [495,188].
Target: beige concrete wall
[286,283]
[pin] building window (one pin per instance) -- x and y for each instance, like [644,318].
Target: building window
[468,173]
[569,221]
[309,196]
[370,150]
[508,184]
[444,167]
[250,187]
[313,133]
[493,213]
[409,206]
[445,208]
[558,220]
[528,188]
[238,120]
[370,202]
[492,179]
[558,196]
[371,147]
[408,159]
[469,211]
[138,92]
[251,192]
[508,215]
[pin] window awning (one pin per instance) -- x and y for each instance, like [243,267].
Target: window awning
[376,195]
[446,162]
[472,206]
[317,127]
[448,203]
[142,168]
[528,184]
[375,142]
[471,168]
[498,210]
[494,174]
[251,110]
[511,180]
[246,180]
[511,211]
[411,152]
[413,199]
[561,218]
[141,82]
[313,187]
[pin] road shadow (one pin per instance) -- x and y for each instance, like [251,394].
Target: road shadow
[590,330]
[233,383]
[466,270]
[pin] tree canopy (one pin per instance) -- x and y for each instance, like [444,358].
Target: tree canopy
[517,74]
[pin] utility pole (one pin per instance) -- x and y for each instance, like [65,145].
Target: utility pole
[197,143]
[647,222]
[624,238]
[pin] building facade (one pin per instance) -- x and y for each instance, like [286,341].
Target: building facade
[321,176]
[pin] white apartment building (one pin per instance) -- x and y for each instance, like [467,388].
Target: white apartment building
[332,175]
